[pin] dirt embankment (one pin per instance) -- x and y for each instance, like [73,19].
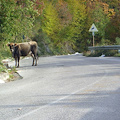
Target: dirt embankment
[9,75]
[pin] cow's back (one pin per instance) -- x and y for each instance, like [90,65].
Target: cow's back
[24,48]
[34,46]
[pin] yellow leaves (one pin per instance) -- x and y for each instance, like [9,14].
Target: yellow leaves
[60,2]
[110,12]
[51,23]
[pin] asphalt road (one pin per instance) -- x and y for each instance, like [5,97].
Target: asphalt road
[69,87]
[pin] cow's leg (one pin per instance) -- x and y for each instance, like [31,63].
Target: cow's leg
[36,62]
[36,57]
[15,62]
[33,61]
[32,55]
[18,61]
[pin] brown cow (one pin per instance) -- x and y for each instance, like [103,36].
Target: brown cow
[23,49]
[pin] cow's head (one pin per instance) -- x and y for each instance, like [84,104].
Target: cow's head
[12,46]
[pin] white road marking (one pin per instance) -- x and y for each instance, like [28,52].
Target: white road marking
[63,98]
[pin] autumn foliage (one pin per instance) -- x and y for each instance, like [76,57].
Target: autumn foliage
[60,26]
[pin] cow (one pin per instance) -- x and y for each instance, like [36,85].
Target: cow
[23,49]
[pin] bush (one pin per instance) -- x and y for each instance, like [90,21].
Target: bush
[4,53]
[98,53]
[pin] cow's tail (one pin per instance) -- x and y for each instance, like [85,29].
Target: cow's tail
[37,56]
[38,52]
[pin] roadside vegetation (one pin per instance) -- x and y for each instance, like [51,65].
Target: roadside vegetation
[58,26]
[105,53]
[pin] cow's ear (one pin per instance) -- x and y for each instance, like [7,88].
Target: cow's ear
[15,44]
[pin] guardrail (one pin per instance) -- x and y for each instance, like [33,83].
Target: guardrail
[110,47]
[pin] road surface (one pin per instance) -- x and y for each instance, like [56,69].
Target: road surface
[70,87]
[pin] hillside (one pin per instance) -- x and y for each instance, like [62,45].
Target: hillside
[59,26]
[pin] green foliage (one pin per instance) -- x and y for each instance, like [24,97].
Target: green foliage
[16,19]
[50,21]
[117,40]
[113,28]
[101,20]
[78,23]
[98,53]
[3,54]
[59,26]
[105,42]
[65,24]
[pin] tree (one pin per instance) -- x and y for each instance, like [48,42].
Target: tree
[114,4]
[113,28]
[63,13]
[50,23]
[78,23]
[17,19]
[101,20]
